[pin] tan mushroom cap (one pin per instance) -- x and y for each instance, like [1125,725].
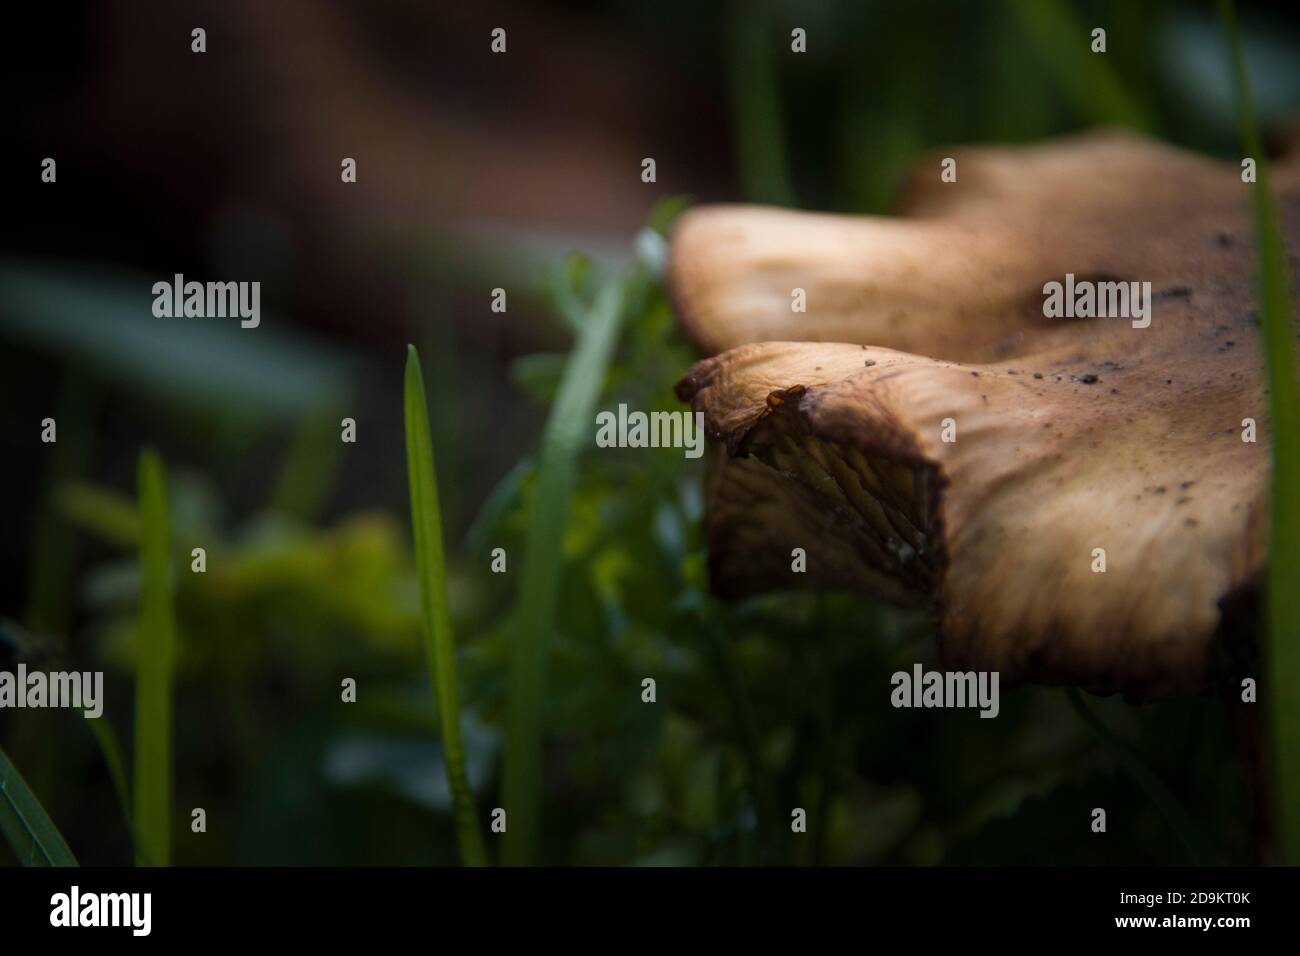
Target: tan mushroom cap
[1130,441]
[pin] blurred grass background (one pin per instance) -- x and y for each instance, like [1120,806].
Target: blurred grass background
[519,172]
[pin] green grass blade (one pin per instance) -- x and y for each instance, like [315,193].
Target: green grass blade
[439,649]
[109,516]
[1088,78]
[755,86]
[569,427]
[1276,311]
[25,824]
[155,651]
[310,465]
[112,753]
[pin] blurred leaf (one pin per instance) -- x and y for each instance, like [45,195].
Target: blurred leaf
[107,514]
[154,662]
[116,763]
[413,768]
[538,375]
[35,839]
[567,432]
[1277,311]
[667,211]
[569,286]
[310,465]
[1197,63]
[1089,78]
[114,518]
[106,324]
[504,496]
[756,104]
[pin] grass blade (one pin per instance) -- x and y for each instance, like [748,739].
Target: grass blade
[439,649]
[1276,311]
[1088,78]
[25,824]
[569,426]
[112,753]
[310,464]
[755,87]
[155,651]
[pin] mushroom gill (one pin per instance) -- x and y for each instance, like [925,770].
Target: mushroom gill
[926,434]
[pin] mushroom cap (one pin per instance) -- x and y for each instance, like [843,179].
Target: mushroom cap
[1071,434]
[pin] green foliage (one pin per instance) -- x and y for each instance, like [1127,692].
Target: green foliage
[154,661]
[439,648]
[113,759]
[567,430]
[1127,757]
[1277,311]
[1087,77]
[756,102]
[94,321]
[773,703]
[763,705]
[35,839]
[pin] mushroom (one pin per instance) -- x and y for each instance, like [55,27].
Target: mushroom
[1078,498]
